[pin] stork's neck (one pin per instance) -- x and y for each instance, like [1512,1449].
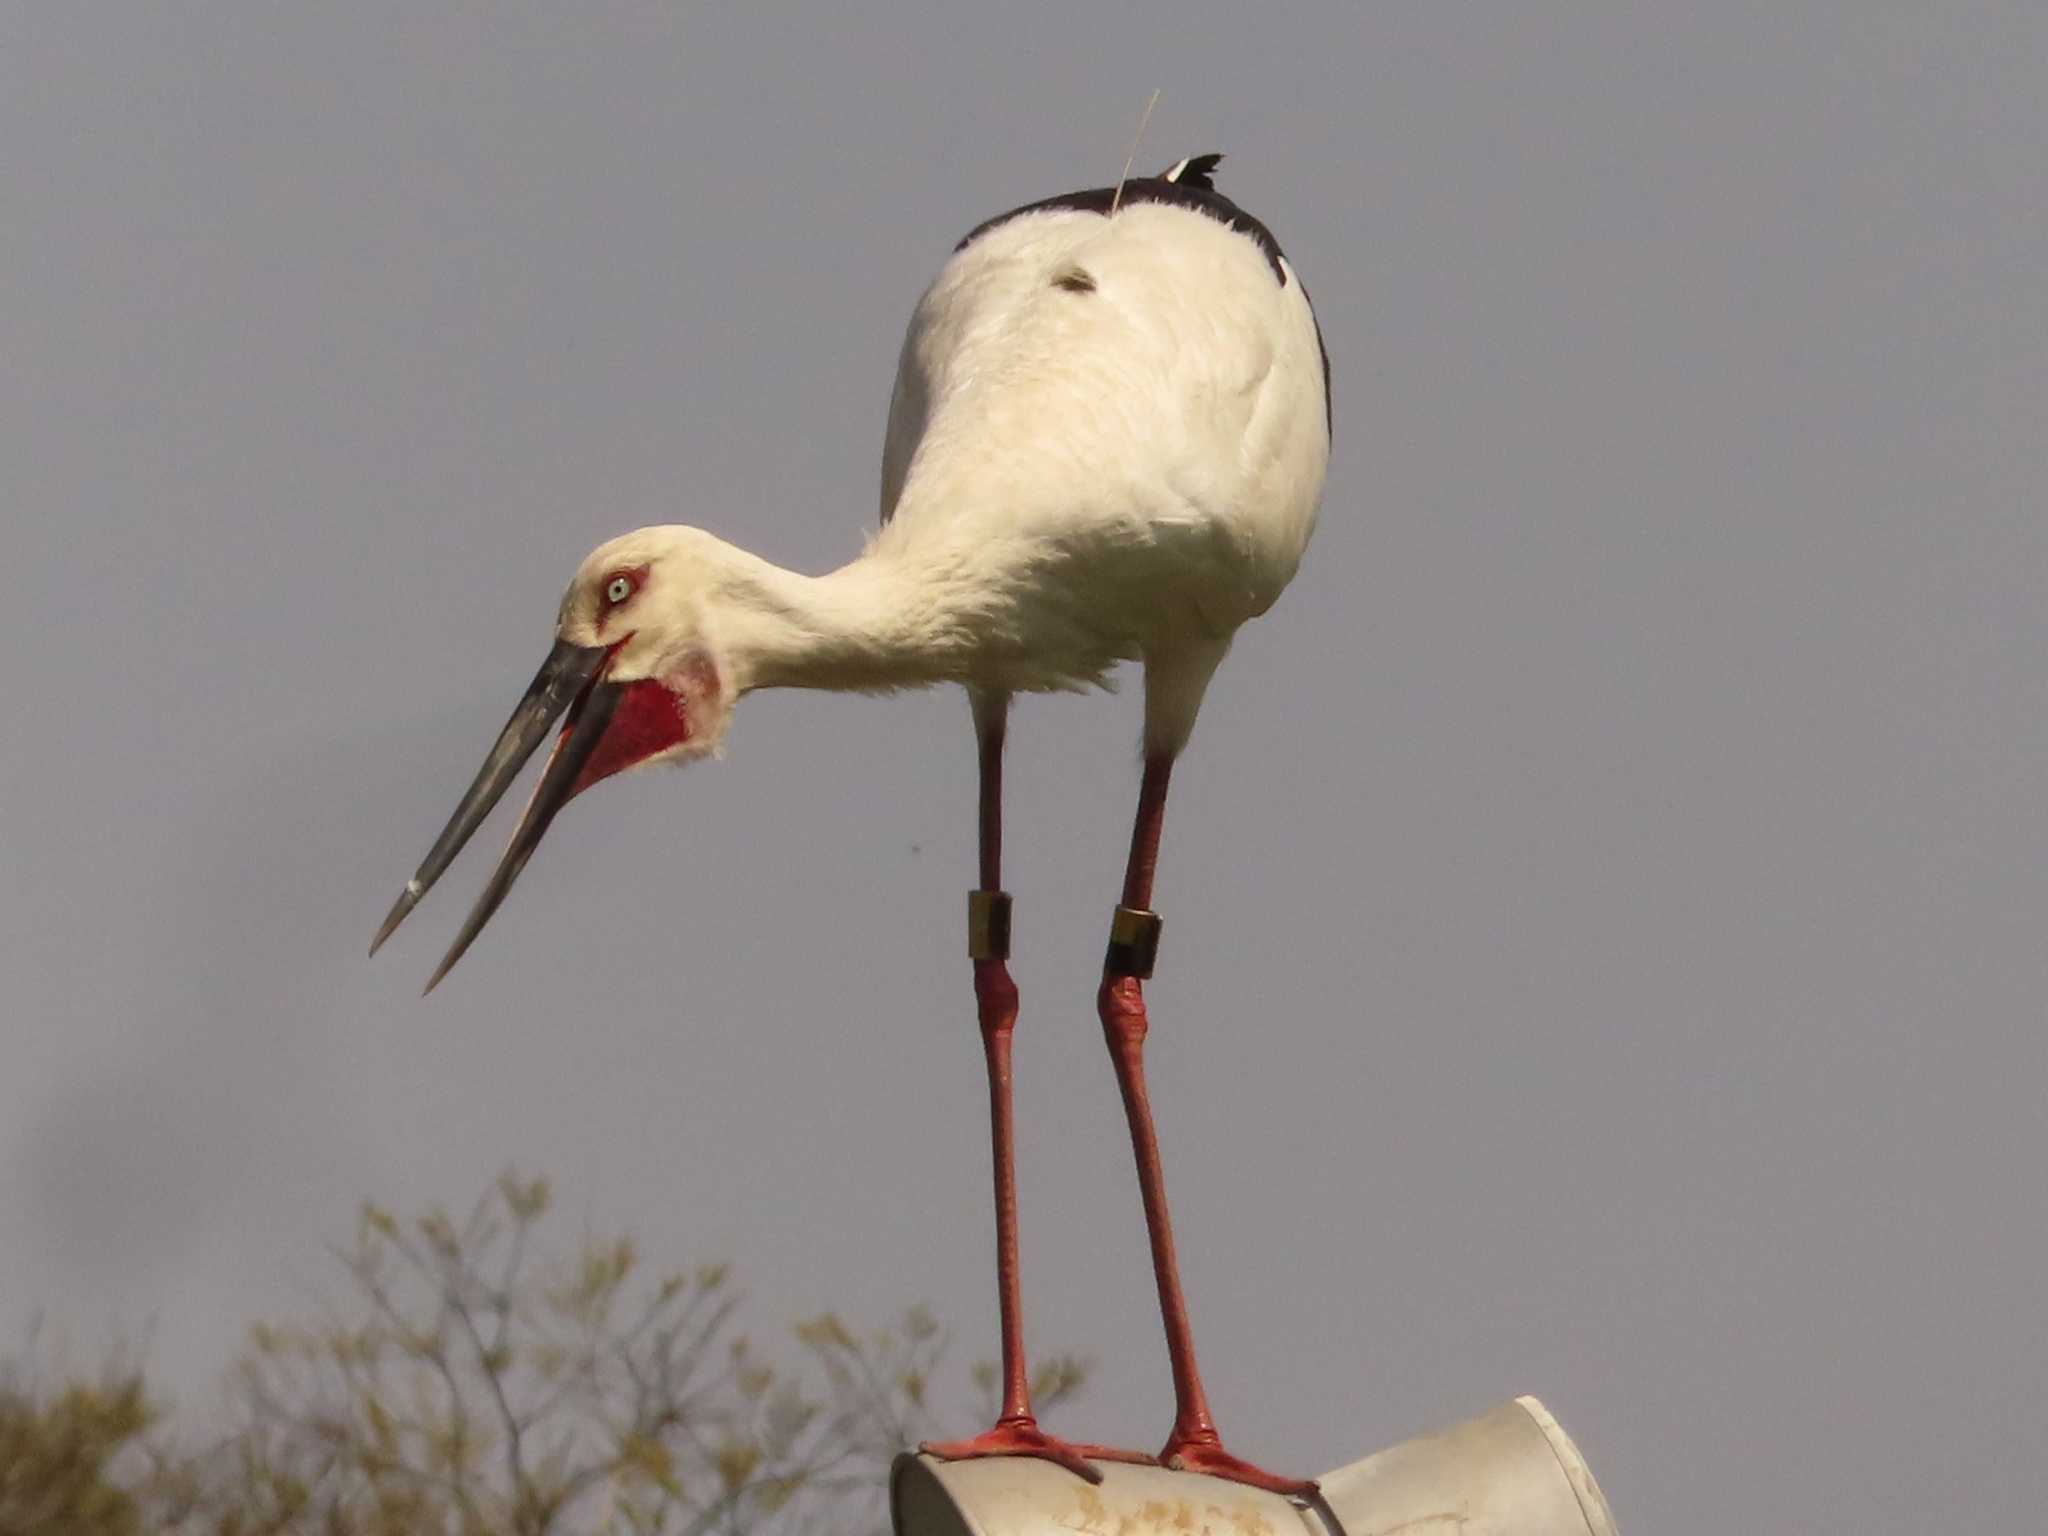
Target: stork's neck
[877,623]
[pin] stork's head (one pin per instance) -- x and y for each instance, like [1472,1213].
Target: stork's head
[640,675]
[639,611]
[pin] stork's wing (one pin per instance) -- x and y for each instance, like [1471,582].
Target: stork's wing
[909,406]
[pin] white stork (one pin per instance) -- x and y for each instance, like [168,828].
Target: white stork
[1107,443]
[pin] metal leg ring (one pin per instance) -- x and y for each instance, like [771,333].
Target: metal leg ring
[988,925]
[1133,943]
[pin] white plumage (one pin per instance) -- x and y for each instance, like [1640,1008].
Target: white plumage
[1130,471]
[1107,443]
[1069,480]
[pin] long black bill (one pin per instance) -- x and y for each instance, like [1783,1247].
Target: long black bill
[561,678]
[588,718]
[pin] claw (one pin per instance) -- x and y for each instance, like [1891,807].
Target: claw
[1208,1456]
[1023,1437]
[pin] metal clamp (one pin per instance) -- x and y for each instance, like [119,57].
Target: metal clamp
[1133,943]
[988,925]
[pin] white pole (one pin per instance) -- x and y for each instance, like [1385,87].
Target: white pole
[1512,1471]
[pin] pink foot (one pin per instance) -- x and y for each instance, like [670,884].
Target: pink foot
[1207,1455]
[1023,1437]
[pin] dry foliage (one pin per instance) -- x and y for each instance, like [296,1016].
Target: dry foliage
[472,1388]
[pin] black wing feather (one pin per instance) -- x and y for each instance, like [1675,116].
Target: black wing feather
[1192,186]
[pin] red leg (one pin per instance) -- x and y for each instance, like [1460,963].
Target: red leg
[1194,1444]
[1016,1431]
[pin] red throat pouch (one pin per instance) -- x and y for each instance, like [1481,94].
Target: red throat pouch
[650,718]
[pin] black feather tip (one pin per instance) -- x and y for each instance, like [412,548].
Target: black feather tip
[1195,171]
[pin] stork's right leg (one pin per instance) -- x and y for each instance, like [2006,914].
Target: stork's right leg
[1194,1445]
[1016,1432]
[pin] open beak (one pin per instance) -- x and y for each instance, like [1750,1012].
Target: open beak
[570,679]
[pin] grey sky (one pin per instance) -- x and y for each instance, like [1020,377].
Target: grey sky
[1605,901]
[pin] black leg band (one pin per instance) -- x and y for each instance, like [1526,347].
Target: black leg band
[988,925]
[1133,943]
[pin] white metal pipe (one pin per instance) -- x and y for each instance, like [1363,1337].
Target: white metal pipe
[1512,1471]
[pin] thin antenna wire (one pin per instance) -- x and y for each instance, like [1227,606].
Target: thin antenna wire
[1117,199]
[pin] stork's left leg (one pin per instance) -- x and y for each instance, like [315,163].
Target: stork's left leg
[1016,1431]
[1194,1444]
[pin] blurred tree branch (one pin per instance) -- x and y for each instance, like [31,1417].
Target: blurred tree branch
[61,1450]
[468,1389]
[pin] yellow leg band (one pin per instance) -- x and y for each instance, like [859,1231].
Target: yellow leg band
[988,925]
[1133,943]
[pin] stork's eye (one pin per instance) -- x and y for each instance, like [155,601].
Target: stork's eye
[618,589]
